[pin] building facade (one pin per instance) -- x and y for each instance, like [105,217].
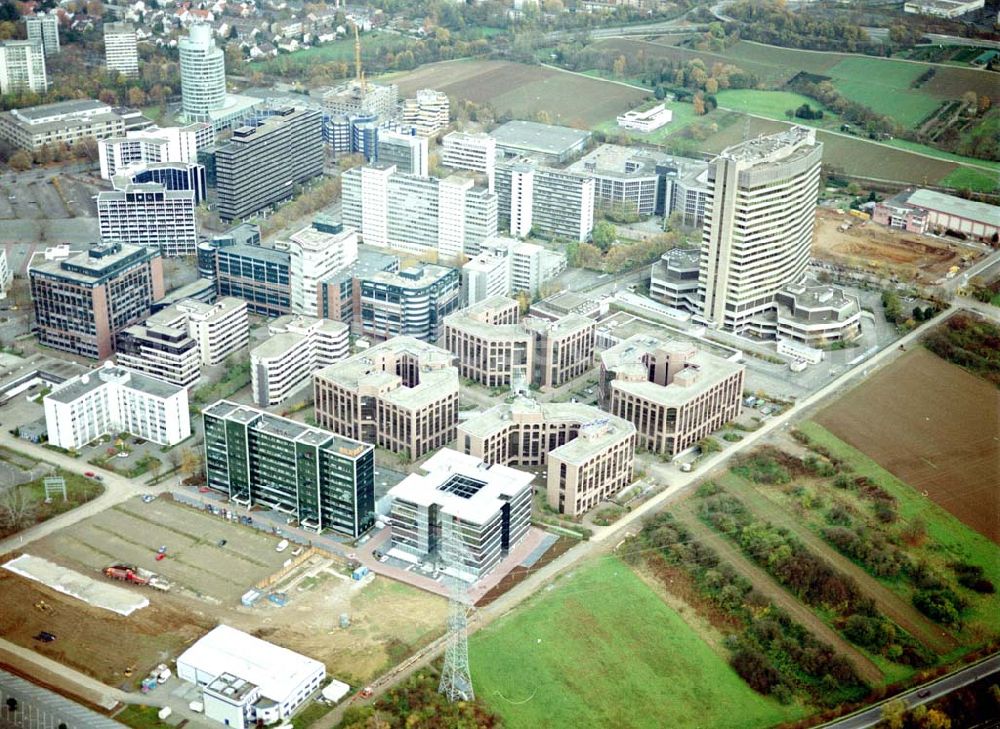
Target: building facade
[296,347]
[816,315]
[63,123]
[203,74]
[22,67]
[82,302]
[401,395]
[544,201]
[588,455]
[120,52]
[165,352]
[112,400]
[154,144]
[43,30]
[564,349]
[314,256]
[322,480]
[674,393]
[674,279]
[409,153]
[221,328]
[474,152]
[489,344]
[410,303]
[149,215]
[427,113]
[260,276]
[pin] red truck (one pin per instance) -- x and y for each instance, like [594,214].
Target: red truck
[136,575]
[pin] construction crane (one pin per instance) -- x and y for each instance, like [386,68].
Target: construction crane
[359,73]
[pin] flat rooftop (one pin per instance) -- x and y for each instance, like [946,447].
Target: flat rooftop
[959,207]
[74,389]
[370,261]
[462,486]
[612,160]
[539,138]
[73,106]
[568,324]
[271,424]
[773,147]
[92,265]
[622,325]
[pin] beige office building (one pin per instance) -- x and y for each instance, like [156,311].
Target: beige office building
[491,347]
[588,453]
[674,393]
[564,349]
[401,395]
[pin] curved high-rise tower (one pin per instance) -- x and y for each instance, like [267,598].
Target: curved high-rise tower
[203,74]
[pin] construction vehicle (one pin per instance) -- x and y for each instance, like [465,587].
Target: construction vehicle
[137,576]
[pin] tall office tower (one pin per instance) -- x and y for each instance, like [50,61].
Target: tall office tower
[315,256]
[148,214]
[203,74]
[427,113]
[406,151]
[120,52]
[43,30]
[22,67]
[549,202]
[758,225]
[262,165]
[476,152]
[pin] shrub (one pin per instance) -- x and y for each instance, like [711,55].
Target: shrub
[939,605]
[754,668]
[874,633]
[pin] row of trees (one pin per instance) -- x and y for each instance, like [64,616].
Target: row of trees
[616,256]
[771,22]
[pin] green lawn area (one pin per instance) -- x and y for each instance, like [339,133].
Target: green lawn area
[950,537]
[884,86]
[771,104]
[140,717]
[941,154]
[972,179]
[372,44]
[603,650]
[683,116]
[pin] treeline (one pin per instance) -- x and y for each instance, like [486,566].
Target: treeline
[771,22]
[972,344]
[771,652]
[850,111]
[617,256]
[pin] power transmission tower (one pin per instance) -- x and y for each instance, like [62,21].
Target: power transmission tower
[456,680]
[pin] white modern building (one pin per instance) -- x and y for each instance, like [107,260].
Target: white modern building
[531,265]
[544,201]
[485,276]
[475,152]
[5,274]
[159,350]
[427,113]
[461,513]
[120,52]
[43,30]
[153,144]
[245,679]
[408,152]
[220,329]
[203,74]
[315,256]
[296,347]
[22,67]
[646,120]
[149,215]
[950,9]
[63,122]
[112,400]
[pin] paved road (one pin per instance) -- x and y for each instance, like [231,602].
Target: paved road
[871,716]
[85,687]
[39,708]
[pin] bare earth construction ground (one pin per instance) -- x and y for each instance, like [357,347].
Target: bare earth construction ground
[934,426]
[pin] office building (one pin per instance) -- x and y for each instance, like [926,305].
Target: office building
[149,215]
[544,143]
[626,179]
[183,177]
[410,303]
[322,480]
[564,349]
[22,67]
[112,400]
[490,345]
[315,256]
[646,120]
[153,144]
[245,679]
[461,513]
[43,31]
[261,166]
[401,395]
[427,113]
[815,314]
[64,122]
[83,301]
[203,74]
[686,190]
[758,233]
[587,454]
[419,215]
[260,276]
[674,279]
[296,347]
[407,152]
[485,276]
[159,350]
[674,393]
[362,98]
[475,152]
[545,202]
[531,265]
[221,329]
[340,295]
[120,52]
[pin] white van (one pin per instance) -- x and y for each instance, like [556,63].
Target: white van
[282,546]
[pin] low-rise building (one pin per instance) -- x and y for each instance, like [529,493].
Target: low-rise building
[112,400]
[815,314]
[674,279]
[165,352]
[462,513]
[401,395]
[920,211]
[589,455]
[564,349]
[322,480]
[674,393]
[258,275]
[531,265]
[63,122]
[950,9]
[546,143]
[220,329]
[296,347]
[646,120]
[489,344]
[340,295]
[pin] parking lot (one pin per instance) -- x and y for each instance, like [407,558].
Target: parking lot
[133,532]
[46,207]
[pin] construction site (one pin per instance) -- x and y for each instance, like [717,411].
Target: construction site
[849,239]
[121,592]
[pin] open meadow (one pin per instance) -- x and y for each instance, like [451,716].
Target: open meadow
[601,648]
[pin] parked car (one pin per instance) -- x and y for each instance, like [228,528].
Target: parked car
[923,694]
[45,637]
[222,542]
[90,474]
[147,498]
[282,546]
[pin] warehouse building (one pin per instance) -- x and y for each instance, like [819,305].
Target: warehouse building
[922,211]
[246,680]
[460,512]
[546,143]
[322,480]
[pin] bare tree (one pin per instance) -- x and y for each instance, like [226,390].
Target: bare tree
[18,508]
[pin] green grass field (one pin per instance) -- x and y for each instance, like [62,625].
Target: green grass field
[683,116]
[772,104]
[884,87]
[968,178]
[603,650]
[940,154]
[951,537]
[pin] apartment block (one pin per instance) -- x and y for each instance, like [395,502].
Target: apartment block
[461,513]
[82,302]
[409,153]
[153,144]
[296,347]
[149,215]
[22,67]
[588,455]
[564,349]
[165,352]
[220,329]
[112,400]
[64,122]
[475,152]
[322,480]
[401,395]
[489,344]
[410,303]
[316,255]
[427,113]
[43,31]
[674,393]
[262,165]
[544,201]
[120,52]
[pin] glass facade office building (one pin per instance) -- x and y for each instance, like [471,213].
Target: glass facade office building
[323,480]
